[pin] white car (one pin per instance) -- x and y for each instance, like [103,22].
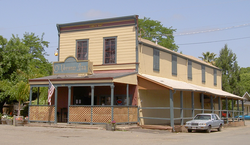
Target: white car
[205,121]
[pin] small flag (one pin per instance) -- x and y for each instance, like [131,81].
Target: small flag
[50,92]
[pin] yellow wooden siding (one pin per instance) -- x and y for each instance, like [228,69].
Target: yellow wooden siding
[181,69]
[209,77]
[219,80]
[115,67]
[131,79]
[126,43]
[196,74]
[165,70]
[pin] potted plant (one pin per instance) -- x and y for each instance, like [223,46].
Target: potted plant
[26,119]
[111,125]
[19,121]
[4,119]
[9,120]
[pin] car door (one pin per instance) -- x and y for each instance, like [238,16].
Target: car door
[216,121]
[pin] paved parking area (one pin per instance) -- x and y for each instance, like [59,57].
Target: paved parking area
[24,135]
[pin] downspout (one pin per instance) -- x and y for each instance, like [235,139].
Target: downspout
[58,48]
[136,47]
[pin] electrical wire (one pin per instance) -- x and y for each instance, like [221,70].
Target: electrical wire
[214,41]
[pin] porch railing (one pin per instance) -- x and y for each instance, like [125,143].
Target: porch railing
[102,114]
[86,114]
[42,113]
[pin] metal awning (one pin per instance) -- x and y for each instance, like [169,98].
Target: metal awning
[184,86]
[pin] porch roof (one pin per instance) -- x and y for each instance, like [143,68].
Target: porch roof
[184,86]
[80,78]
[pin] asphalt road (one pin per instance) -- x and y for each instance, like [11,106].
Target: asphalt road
[24,135]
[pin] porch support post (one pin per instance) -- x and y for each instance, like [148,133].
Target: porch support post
[233,110]
[243,117]
[212,104]
[192,99]
[38,95]
[92,103]
[55,104]
[219,103]
[238,108]
[69,101]
[181,105]
[30,102]
[127,94]
[227,109]
[202,102]
[112,102]
[127,98]
[171,109]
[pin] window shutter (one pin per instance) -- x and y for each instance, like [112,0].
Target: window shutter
[203,73]
[215,77]
[189,69]
[174,64]
[156,60]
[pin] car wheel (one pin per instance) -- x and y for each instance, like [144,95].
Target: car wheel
[219,129]
[189,130]
[208,129]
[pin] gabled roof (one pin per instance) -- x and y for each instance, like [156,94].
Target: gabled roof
[246,96]
[152,44]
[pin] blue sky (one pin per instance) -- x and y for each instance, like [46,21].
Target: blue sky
[202,25]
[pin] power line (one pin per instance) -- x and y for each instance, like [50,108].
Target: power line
[211,30]
[214,41]
[202,31]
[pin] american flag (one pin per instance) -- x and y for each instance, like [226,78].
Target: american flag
[50,92]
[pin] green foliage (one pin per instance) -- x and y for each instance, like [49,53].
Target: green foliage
[208,57]
[230,71]
[21,60]
[153,30]
[245,79]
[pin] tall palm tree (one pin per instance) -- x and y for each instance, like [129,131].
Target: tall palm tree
[209,57]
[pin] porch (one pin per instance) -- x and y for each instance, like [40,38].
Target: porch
[168,102]
[95,100]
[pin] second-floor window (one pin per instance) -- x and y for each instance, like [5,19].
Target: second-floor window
[189,69]
[215,77]
[156,60]
[174,65]
[82,49]
[203,77]
[110,50]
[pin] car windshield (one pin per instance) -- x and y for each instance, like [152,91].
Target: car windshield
[202,117]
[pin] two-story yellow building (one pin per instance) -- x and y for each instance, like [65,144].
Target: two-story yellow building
[105,71]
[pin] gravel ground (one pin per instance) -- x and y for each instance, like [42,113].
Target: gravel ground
[24,135]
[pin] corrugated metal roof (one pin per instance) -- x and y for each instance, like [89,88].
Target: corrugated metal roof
[179,85]
[145,41]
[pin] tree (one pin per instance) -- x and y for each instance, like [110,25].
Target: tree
[154,31]
[245,79]
[208,57]
[21,60]
[230,71]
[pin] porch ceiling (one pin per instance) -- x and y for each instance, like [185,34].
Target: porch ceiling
[79,78]
[183,86]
